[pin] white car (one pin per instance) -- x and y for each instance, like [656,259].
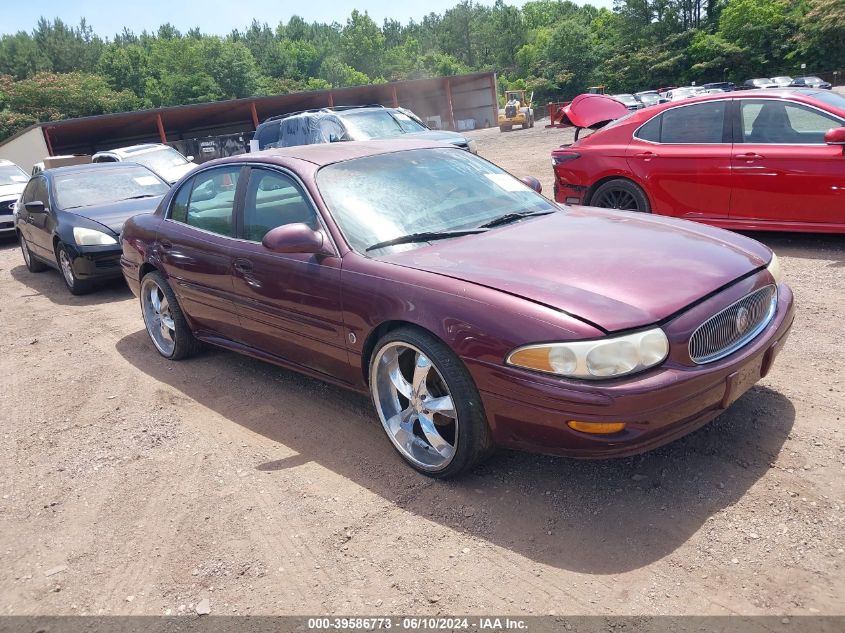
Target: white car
[13,179]
[162,159]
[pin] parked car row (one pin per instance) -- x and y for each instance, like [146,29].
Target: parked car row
[474,312]
[787,82]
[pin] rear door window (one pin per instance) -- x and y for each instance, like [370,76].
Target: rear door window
[207,201]
[701,123]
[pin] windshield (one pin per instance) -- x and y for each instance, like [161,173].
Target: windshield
[408,124]
[379,198]
[626,99]
[812,80]
[158,160]
[762,82]
[368,124]
[12,175]
[101,186]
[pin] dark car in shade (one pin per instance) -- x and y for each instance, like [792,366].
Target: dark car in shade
[474,311]
[811,82]
[70,218]
[351,123]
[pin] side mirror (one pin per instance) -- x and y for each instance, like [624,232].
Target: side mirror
[835,136]
[295,238]
[190,159]
[532,182]
[36,206]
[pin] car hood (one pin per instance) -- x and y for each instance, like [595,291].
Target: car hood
[438,135]
[588,110]
[10,191]
[616,270]
[114,214]
[172,174]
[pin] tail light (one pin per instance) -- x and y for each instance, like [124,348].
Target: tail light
[564,157]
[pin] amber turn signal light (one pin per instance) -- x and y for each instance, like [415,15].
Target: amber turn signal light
[596,428]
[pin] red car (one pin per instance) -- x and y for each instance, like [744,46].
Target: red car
[475,312]
[755,160]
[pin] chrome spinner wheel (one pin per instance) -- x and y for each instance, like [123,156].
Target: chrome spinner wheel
[415,406]
[157,316]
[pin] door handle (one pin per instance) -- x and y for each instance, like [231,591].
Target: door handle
[645,155]
[166,244]
[243,266]
[748,156]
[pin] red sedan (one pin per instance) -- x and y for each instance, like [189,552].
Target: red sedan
[754,160]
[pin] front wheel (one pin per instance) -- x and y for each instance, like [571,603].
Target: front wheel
[76,285]
[32,264]
[428,404]
[166,325]
[620,194]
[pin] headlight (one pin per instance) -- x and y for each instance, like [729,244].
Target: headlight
[473,146]
[774,268]
[90,237]
[602,358]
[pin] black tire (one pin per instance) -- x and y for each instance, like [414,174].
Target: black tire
[32,265]
[620,193]
[473,441]
[185,343]
[74,284]
[531,121]
[503,128]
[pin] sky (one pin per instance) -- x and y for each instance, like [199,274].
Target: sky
[216,17]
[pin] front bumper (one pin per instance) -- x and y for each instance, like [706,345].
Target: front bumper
[95,262]
[530,412]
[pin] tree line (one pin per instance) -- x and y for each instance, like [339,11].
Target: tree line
[555,48]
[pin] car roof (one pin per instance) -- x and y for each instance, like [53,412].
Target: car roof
[133,149]
[327,153]
[73,169]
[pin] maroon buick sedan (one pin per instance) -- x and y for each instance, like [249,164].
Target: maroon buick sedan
[474,311]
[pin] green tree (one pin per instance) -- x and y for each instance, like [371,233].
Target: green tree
[362,44]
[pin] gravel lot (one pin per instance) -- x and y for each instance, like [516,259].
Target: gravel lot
[132,485]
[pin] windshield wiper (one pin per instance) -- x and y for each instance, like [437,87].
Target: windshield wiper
[511,217]
[143,195]
[424,237]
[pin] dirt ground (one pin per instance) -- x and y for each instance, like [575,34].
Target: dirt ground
[134,485]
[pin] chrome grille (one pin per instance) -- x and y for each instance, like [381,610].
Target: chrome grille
[734,326]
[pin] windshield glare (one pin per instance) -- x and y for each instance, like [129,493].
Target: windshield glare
[94,187]
[379,198]
[369,124]
[12,175]
[158,160]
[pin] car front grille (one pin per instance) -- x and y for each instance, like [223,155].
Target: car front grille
[733,327]
[6,207]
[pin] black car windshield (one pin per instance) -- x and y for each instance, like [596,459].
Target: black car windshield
[158,160]
[364,125]
[102,186]
[380,198]
[12,175]
[811,80]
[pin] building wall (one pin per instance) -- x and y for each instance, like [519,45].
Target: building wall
[25,150]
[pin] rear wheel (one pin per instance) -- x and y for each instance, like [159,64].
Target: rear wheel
[166,325]
[620,194]
[76,285]
[428,404]
[32,265]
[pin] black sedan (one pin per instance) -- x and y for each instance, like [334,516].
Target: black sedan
[811,82]
[70,218]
